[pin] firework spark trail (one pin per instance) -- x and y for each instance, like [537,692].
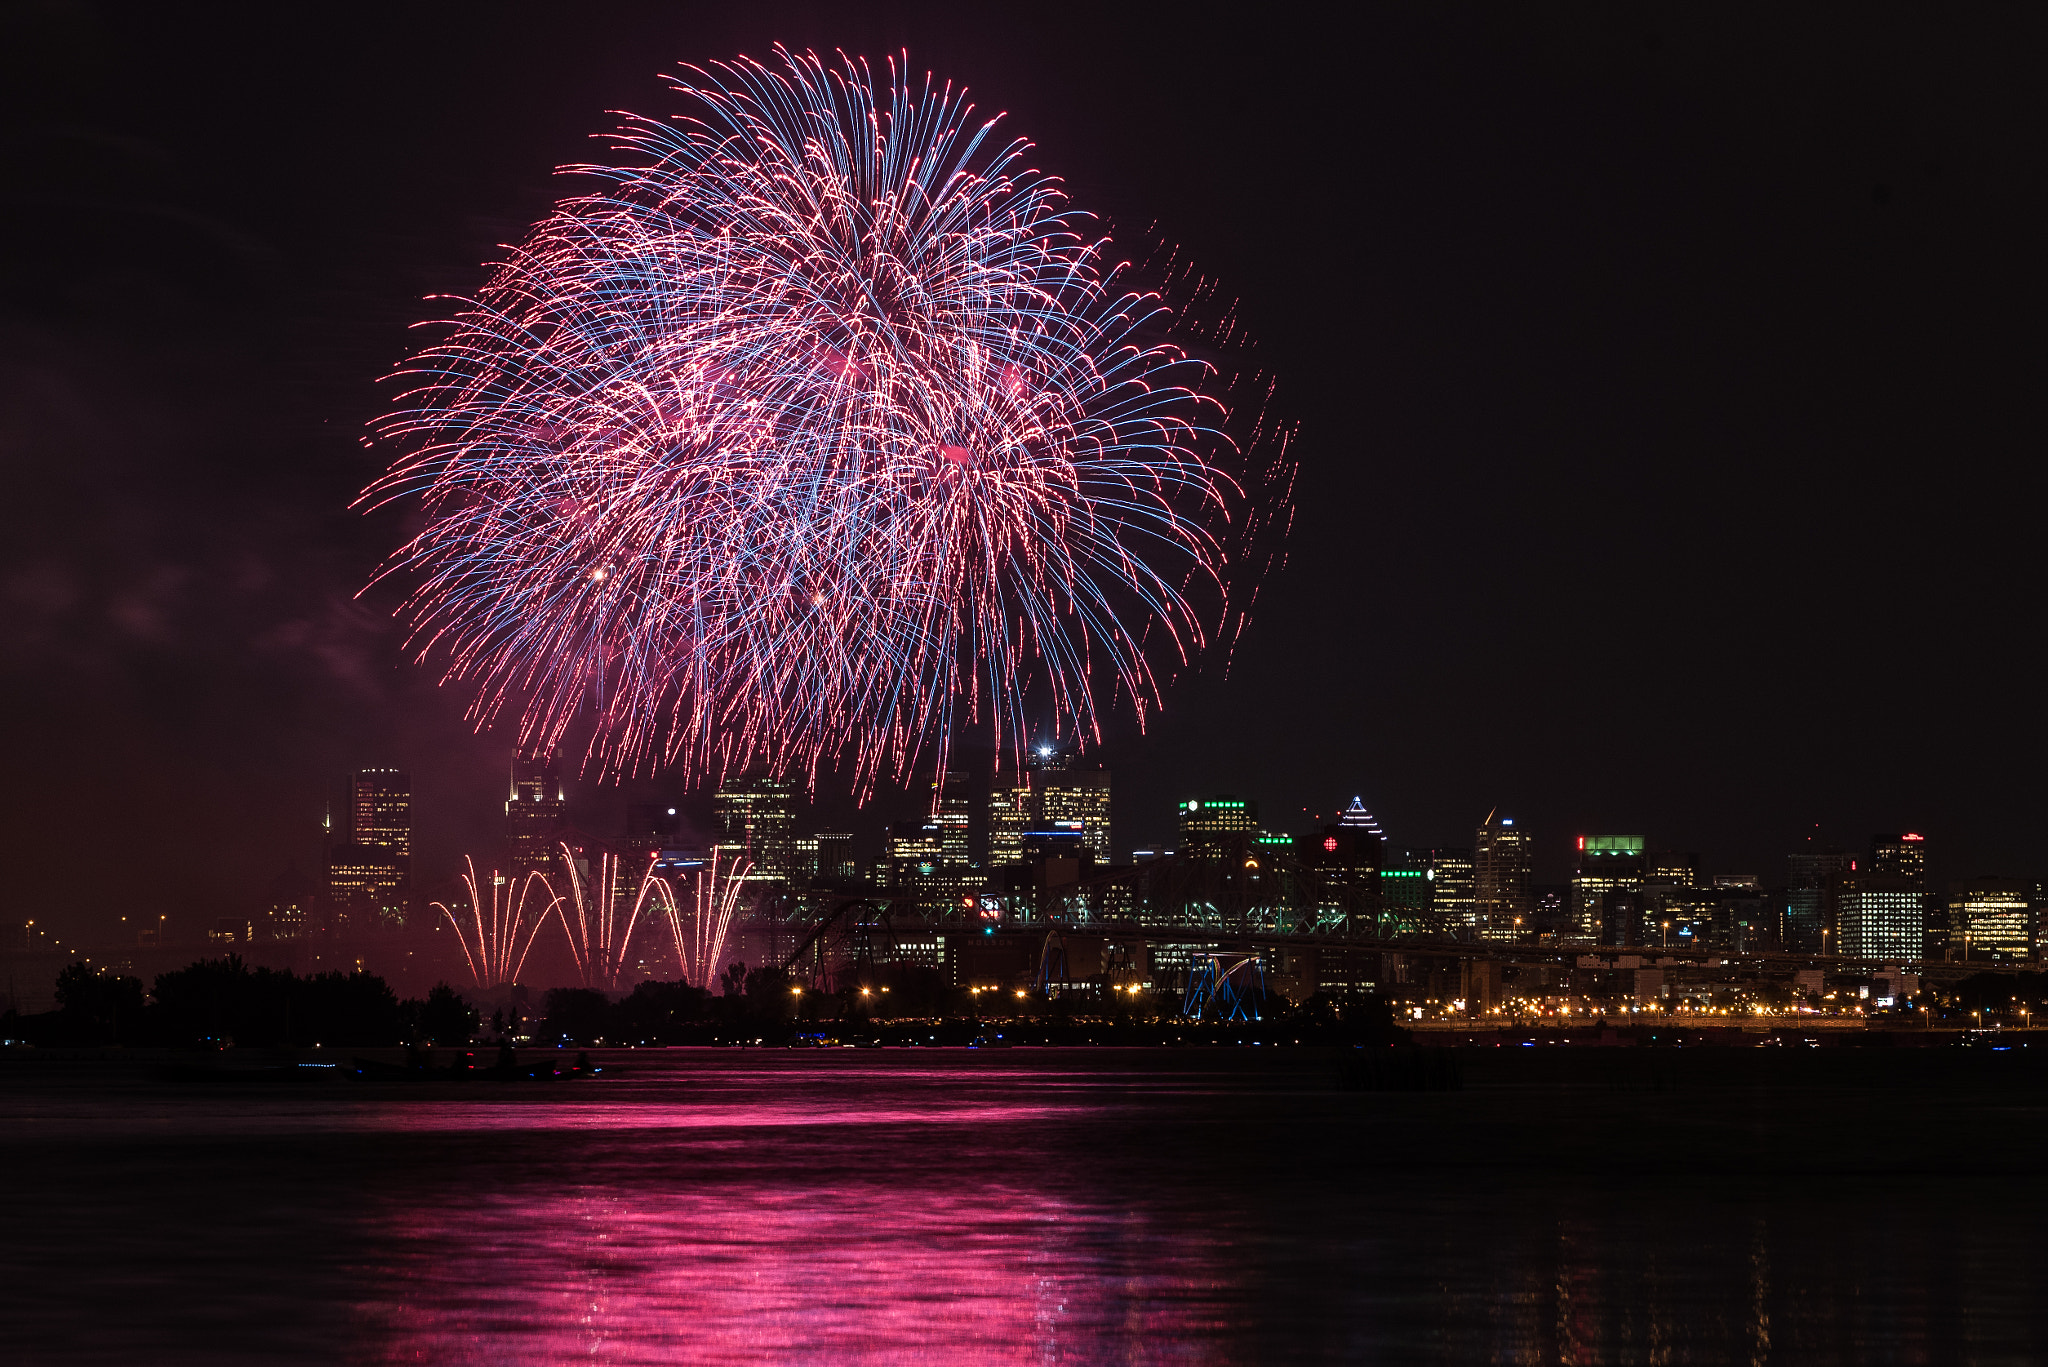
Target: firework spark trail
[599,935]
[700,932]
[496,942]
[822,428]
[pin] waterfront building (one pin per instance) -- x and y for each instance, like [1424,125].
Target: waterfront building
[1501,858]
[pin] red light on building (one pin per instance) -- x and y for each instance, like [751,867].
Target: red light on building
[1582,842]
[1910,836]
[1330,843]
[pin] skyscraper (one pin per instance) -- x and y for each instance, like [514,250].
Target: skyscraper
[1404,891]
[835,856]
[1009,816]
[380,814]
[1076,800]
[369,875]
[1880,916]
[1345,861]
[534,817]
[1989,919]
[1813,890]
[1358,818]
[1209,822]
[757,826]
[1900,856]
[1500,878]
[950,813]
[1882,907]
[1607,889]
[1453,894]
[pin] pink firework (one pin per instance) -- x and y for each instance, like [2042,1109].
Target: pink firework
[498,931]
[822,429]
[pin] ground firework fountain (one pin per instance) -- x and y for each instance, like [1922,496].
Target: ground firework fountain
[599,932]
[500,929]
[700,927]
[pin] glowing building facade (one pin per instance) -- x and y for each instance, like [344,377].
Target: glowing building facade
[369,874]
[1076,800]
[1991,918]
[534,817]
[756,820]
[1607,889]
[1501,859]
[1208,822]
[1009,817]
[1453,888]
[1880,917]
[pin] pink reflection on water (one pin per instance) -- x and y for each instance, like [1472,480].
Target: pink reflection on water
[859,1271]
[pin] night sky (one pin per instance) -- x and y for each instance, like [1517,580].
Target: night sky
[1670,388]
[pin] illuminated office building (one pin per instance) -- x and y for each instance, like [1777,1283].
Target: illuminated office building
[1813,893]
[380,814]
[1900,856]
[1206,823]
[1880,917]
[1009,817]
[364,889]
[292,908]
[1990,918]
[1076,800]
[1345,863]
[1677,911]
[949,811]
[534,817]
[1404,893]
[835,857]
[1607,890]
[1453,889]
[369,875]
[756,819]
[1500,878]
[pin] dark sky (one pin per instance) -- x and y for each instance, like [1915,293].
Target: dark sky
[1670,386]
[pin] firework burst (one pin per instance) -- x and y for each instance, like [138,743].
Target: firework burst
[822,429]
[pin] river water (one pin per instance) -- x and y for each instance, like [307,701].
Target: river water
[1029,1206]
